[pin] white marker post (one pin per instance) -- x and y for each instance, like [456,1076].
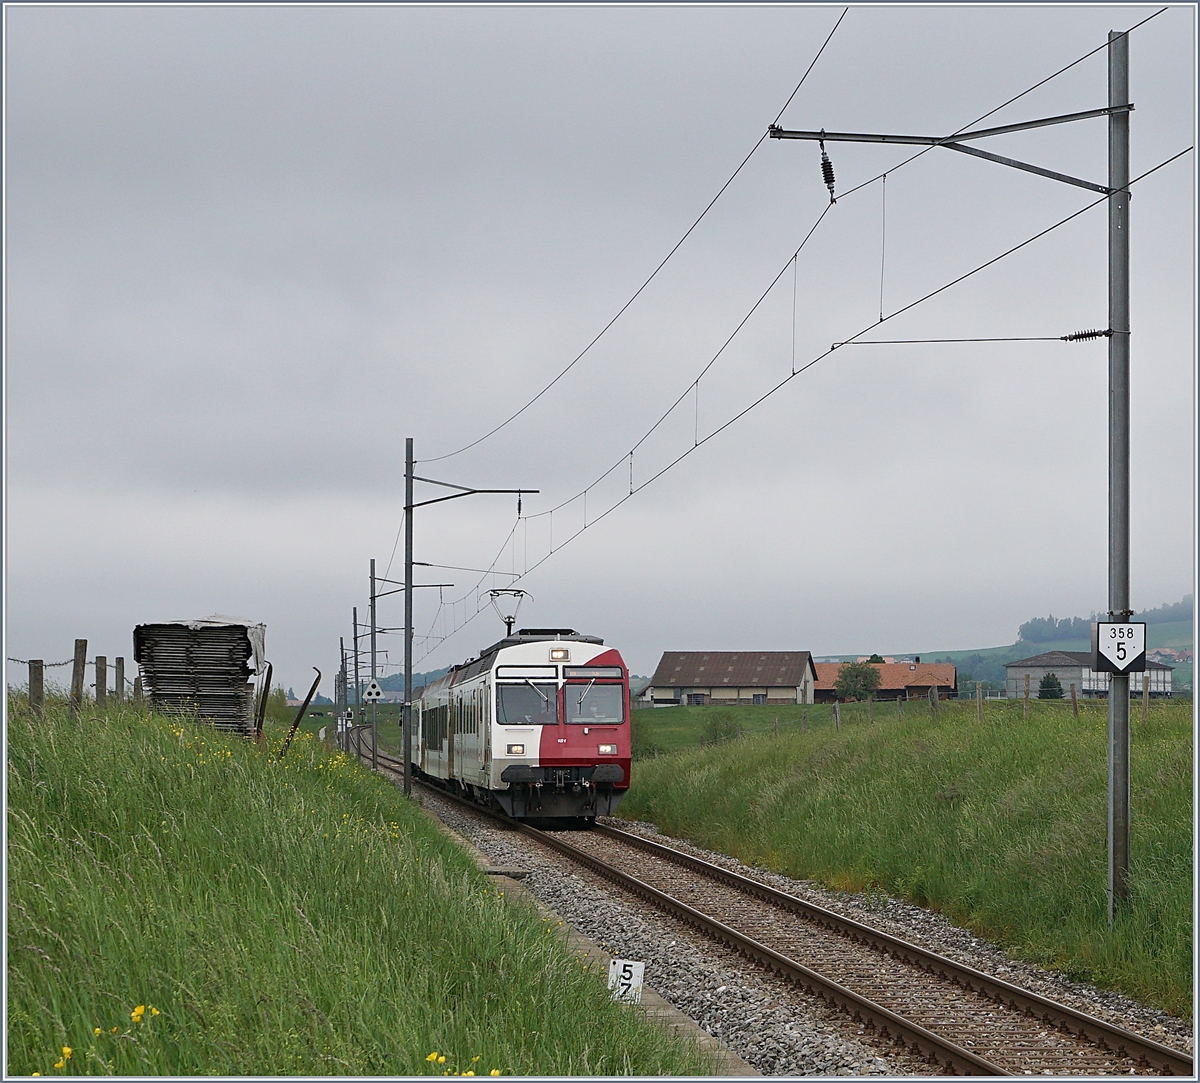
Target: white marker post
[625,980]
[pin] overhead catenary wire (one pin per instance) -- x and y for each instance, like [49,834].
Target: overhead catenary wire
[879,177]
[653,274]
[700,442]
[1076,336]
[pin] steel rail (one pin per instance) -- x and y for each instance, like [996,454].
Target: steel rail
[1106,1035]
[888,1023]
[1116,1039]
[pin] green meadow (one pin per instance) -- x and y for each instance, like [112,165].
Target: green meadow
[1001,826]
[180,902]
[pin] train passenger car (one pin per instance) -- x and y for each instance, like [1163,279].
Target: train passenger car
[537,725]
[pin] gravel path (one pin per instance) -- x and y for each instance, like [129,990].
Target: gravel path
[760,1017]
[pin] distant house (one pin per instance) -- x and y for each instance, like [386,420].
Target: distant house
[695,678]
[1075,668]
[897,680]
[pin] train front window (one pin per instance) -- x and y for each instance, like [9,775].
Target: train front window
[527,704]
[594,704]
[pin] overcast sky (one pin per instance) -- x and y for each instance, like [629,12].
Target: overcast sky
[251,249]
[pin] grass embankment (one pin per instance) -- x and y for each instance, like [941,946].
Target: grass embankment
[181,903]
[1000,826]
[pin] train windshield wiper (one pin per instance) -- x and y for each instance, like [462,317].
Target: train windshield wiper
[585,692]
[545,698]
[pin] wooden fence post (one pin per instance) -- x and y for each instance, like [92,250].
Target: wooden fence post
[899,708]
[933,700]
[36,685]
[776,727]
[837,715]
[1145,697]
[1027,697]
[119,680]
[804,720]
[137,689]
[101,682]
[1074,701]
[979,702]
[77,672]
[871,709]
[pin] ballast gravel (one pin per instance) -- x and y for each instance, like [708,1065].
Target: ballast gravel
[759,1016]
[931,930]
[756,1015]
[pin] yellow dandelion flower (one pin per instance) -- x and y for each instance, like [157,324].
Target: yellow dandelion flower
[66,1052]
[114,1030]
[468,1072]
[155,1011]
[96,1031]
[494,1071]
[474,1059]
[442,1059]
[59,1063]
[37,1073]
[432,1056]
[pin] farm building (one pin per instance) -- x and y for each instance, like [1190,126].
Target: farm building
[897,680]
[1075,668]
[694,678]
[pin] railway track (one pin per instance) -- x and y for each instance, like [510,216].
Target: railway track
[964,1020]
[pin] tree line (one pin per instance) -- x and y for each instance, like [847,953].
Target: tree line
[1047,629]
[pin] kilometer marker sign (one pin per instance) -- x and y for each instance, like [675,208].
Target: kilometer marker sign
[1119,648]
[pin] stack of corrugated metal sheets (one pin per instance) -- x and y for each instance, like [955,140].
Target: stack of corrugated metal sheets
[202,667]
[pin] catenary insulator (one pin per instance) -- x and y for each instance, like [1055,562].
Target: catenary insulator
[827,172]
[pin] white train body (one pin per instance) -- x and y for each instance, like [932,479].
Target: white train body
[537,725]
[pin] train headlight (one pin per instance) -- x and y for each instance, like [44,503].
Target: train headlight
[560,654]
[608,750]
[516,750]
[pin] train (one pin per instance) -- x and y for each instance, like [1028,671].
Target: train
[537,726]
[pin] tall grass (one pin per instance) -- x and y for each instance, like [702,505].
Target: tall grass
[181,903]
[1001,826]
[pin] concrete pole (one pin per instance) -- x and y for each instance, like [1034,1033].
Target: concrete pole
[1118,464]
[408,609]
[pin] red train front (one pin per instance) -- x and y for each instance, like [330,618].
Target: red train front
[537,725]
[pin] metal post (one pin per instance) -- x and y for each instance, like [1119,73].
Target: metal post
[357,679]
[408,609]
[78,668]
[344,706]
[374,711]
[1118,464]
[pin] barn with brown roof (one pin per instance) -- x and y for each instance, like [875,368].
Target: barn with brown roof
[897,680]
[694,678]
